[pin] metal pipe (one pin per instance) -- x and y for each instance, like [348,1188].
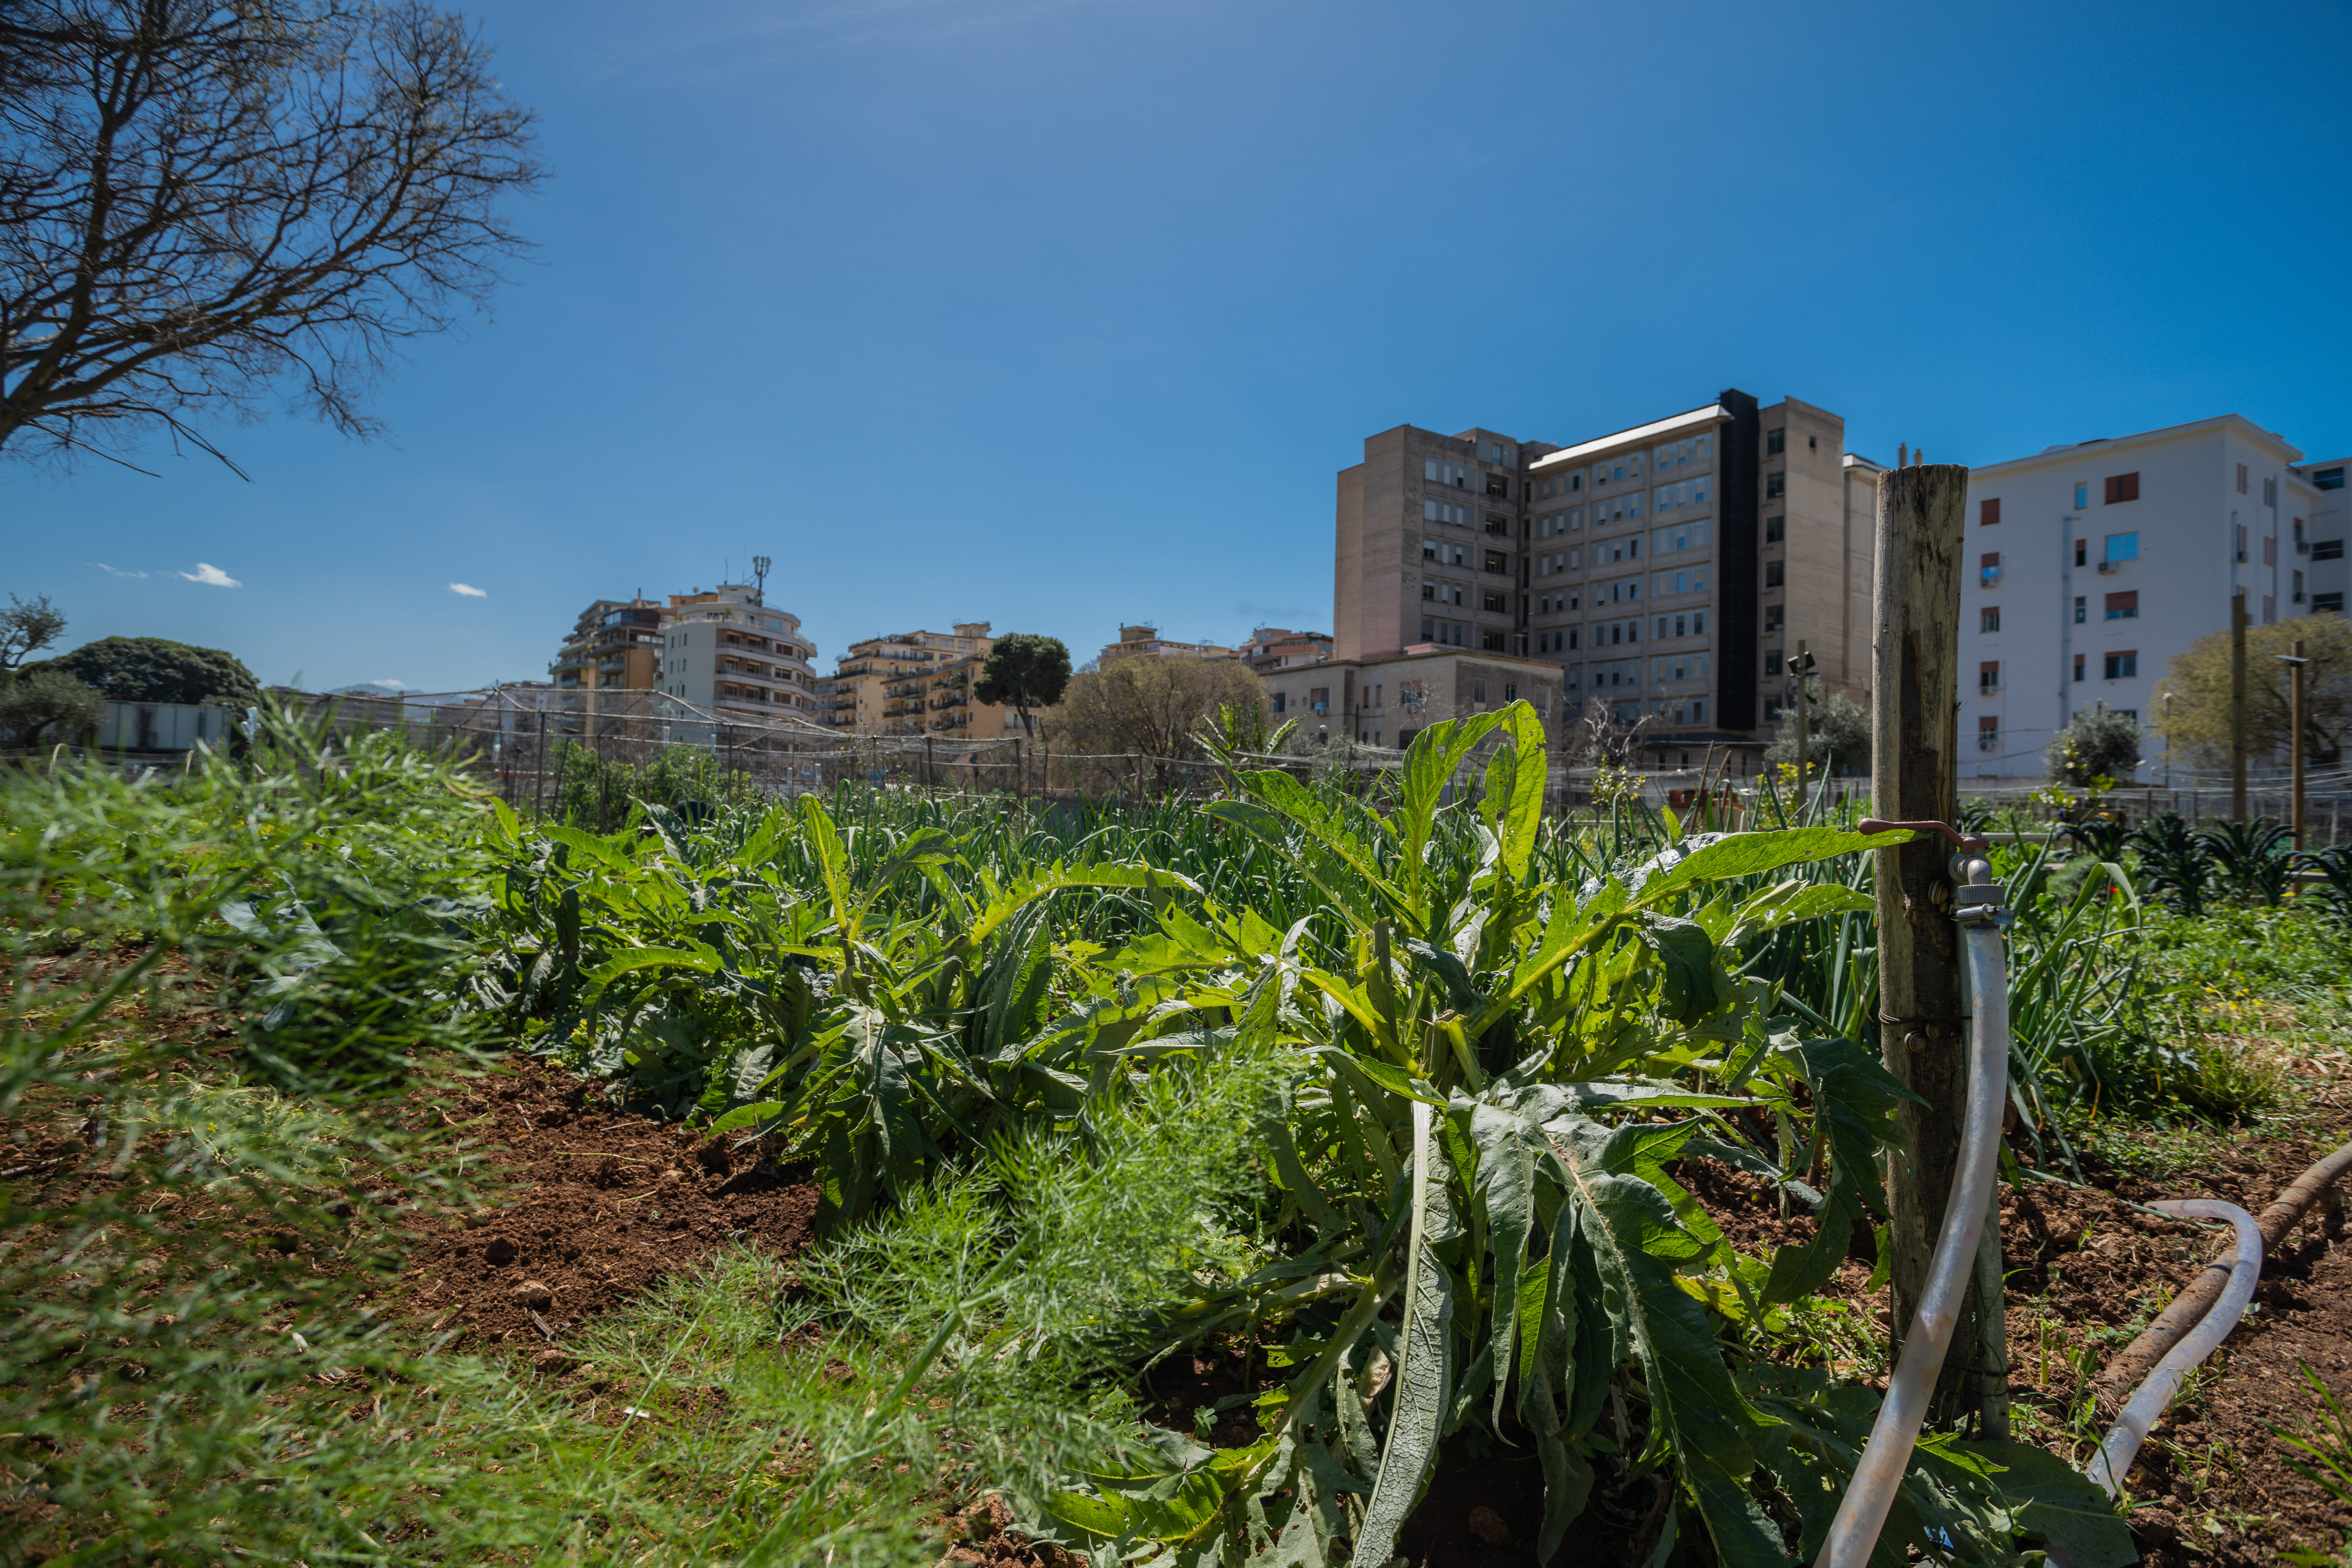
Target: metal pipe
[2114,1461]
[1861,1513]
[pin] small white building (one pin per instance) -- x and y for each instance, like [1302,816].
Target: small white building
[2090,567]
[2320,565]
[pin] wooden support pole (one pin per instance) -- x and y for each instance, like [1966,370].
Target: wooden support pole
[1915,717]
[2238,707]
[2295,743]
[1804,735]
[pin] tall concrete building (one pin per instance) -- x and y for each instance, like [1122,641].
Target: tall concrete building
[615,645]
[1669,569]
[727,650]
[2093,564]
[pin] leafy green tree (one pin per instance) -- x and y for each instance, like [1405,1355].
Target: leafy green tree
[1024,671]
[2101,744]
[45,700]
[27,628]
[1837,737]
[2194,712]
[154,669]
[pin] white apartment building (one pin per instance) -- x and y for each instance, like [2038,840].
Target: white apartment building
[727,650]
[2090,567]
[2327,573]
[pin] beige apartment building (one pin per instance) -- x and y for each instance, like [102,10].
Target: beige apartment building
[1279,647]
[728,650]
[1669,569]
[1388,702]
[1145,642]
[615,645]
[918,683]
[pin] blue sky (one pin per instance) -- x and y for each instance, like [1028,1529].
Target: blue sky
[1059,312]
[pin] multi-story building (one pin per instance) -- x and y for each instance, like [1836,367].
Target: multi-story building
[729,651]
[614,645]
[918,683]
[2319,548]
[1388,702]
[1145,642]
[2092,565]
[1275,648]
[1669,570]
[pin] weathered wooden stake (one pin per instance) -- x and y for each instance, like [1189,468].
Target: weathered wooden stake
[1914,776]
[2238,707]
[2295,666]
[1804,747]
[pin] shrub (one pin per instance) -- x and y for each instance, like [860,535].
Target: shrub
[46,702]
[2099,745]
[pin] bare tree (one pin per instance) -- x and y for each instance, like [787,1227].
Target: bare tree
[26,628]
[1596,739]
[202,203]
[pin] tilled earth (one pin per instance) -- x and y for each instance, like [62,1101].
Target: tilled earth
[597,1203]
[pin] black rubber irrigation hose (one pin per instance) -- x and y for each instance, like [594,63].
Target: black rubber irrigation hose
[2139,1358]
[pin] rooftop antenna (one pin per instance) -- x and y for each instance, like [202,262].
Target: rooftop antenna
[759,564]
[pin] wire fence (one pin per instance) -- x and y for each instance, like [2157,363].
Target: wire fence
[545,751]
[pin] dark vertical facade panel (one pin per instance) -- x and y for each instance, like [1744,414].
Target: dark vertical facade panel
[1736,661]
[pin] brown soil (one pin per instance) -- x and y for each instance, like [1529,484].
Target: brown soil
[597,1203]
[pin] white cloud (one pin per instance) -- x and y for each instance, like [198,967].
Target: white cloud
[211,576]
[469,589]
[116,571]
[391,685]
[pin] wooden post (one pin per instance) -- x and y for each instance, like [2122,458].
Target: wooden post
[2295,744]
[1915,718]
[2237,708]
[1020,779]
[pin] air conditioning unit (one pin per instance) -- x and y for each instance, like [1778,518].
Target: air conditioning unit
[2303,547]
[2109,567]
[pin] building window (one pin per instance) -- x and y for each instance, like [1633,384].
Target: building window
[1775,573]
[1775,617]
[1477,691]
[1510,692]
[1988,568]
[2327,604]
[2328,479]
[1439,473]
[2241,480]
[1775,484]
[2270,609]
[1989,675]
[1988,618]
[1776,442]
[2082,553]
[2123,607]
[2082,609]
[1494,602]
[2270,550]
[1987,511]
[2082,497]
[2328,550]
[2123,666]
[1493,642]
[2123,547]
[1498,562]
[1776,528]
[2125,487]
[1282,698]
[1771,661]
[1988,733]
